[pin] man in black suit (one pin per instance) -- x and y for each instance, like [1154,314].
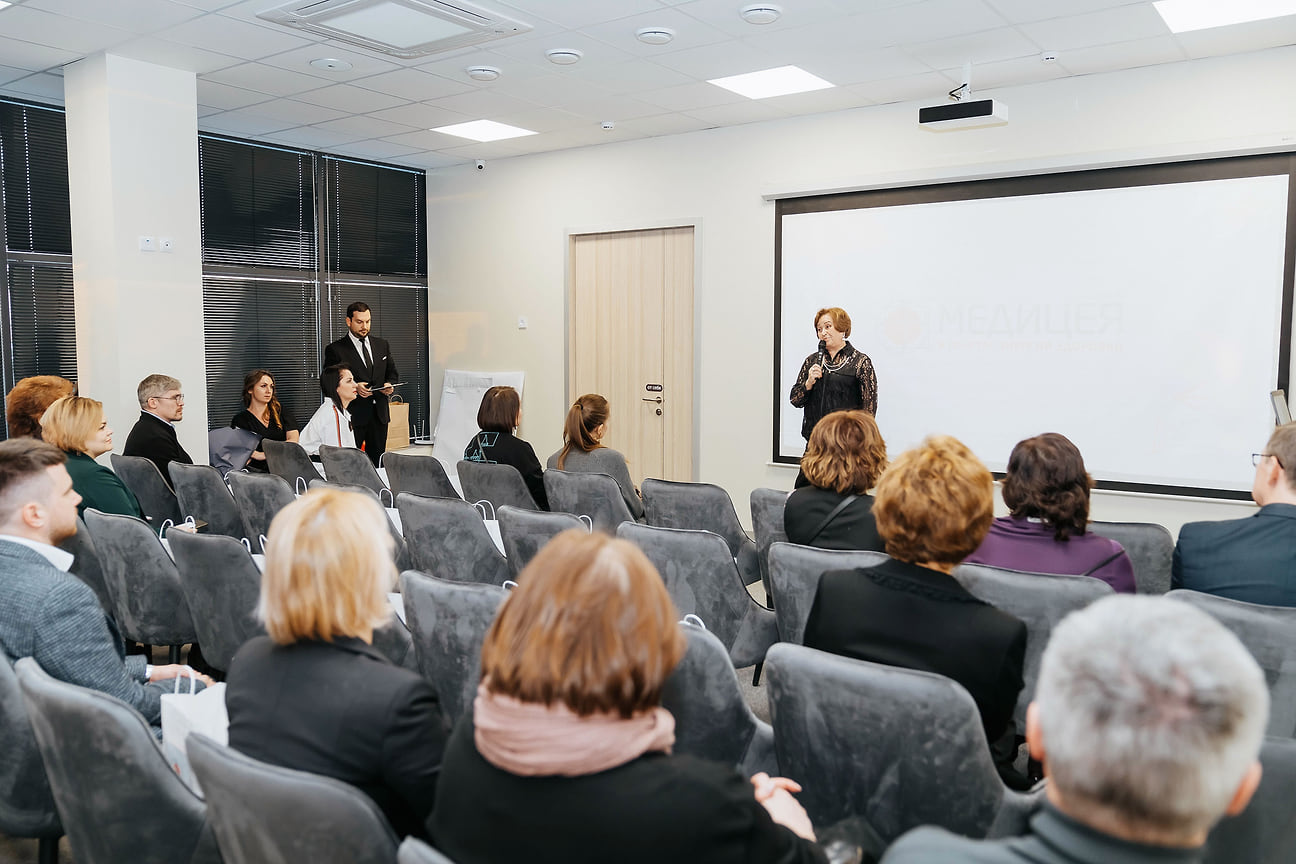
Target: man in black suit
[154,434]
[371,362]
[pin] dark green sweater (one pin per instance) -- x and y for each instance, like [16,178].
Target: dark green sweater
[99,487]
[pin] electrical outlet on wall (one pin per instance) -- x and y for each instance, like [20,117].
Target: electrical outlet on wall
[166,244]
[147,244]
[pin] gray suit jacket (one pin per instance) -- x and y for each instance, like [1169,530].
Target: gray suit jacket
[1251,559]
[55,618]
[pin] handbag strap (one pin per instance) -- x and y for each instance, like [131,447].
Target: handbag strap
[1103,563]
[832,514]
[337,419]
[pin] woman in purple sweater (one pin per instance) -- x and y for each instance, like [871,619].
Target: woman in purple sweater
[1046,489]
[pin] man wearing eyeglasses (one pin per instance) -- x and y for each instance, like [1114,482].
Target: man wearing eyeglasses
[1253,559]
[154,434]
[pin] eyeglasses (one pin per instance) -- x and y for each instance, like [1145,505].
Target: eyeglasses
[178,398]
[1256,457]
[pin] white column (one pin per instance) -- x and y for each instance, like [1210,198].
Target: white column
[132,132]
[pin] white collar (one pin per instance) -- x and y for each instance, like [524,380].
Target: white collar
[58,557]
[163,419]
[358,342]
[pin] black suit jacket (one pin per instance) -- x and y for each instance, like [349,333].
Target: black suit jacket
[1252,559]
[155,440]
[852,528]
[343,710]
[372,409]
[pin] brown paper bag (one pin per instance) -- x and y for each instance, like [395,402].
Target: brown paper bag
[398,431]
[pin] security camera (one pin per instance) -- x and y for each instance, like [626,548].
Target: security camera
[481,164]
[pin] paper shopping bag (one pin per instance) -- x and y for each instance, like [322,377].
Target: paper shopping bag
[186,713]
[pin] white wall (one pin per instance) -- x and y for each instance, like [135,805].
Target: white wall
[498,237]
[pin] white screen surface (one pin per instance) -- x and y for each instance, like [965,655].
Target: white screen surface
[1142,322]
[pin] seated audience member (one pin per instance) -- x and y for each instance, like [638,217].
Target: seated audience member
[498,415]
[48,614]
[153,435]
[1252,559]
[583,449]
[263,415]
[1148,717]
[77,426]
[933,507]
[314,694]
[331,422]
[28,400]
[1046,489]
[566,754]
[843,460]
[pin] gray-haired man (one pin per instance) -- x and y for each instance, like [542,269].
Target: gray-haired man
[1148,717]
[153,435]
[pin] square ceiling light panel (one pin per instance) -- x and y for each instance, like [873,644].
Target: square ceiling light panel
[400,28]
[484,130]
[1183,16]
[781,81]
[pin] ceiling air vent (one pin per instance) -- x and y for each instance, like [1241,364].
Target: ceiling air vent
[401,28]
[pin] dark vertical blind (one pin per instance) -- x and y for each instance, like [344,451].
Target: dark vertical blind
[258,205]
[33,151]
[376,217]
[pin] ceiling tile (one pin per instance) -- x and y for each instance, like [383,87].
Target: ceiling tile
[576,13]
[242,123]
[377,149]
[70,34]
[311,138]
[414,85]
[1123,55]
[1008,73]
[43,86]
[691,96]
[929,87]
[236,38]
[634,76]
[1004,43]
[532,50]
[365,126]
[1021,11]
[1123,23]
[12,73]
[484,104]
[151,50]
[137,16]
[689,32]
[224,97]
[663,124]
[719,61]
[723,14]
[923,22]
[1253,36]
[299,60]
[546,120]
[27,55]
[818,101]
[297,113]
[421,116]
[424,140]
[618,109]
[752,111]
[268,79]
[351,99]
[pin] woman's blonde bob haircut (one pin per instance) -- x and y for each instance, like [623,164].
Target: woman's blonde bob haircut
[846,453]
[69,422]
[328,568]
[590,625]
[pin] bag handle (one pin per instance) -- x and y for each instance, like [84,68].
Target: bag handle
[841,505]
[193,680]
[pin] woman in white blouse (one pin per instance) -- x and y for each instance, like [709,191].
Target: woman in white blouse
[332,423]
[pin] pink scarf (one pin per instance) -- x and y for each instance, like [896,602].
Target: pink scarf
[531,739]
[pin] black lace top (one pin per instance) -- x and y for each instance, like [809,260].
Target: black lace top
[848,382]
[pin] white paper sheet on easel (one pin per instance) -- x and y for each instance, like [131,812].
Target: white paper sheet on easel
[461,395]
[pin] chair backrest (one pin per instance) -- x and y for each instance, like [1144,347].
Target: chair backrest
[1040,601]
[1269,633]
[202,494]
[86,565]
[415,851]
[447,538]
[119,799]
[26,804]
[712,719]
[1150,549]
[149,605]
[525,532]
[1266,830]
[421,475]
[263,813]
[898,747]
[448,621]
[221,584]
[259,497]
[151,489]
[767,524]
[586,494]
[400,553]
[794,581]
[501,485]
[706,507]
[288,460]
[350,466]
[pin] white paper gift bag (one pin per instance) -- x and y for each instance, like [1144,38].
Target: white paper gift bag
[185,713]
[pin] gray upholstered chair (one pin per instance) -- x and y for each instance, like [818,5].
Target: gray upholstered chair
[288,460]
[1265,832]
[794,579]
[898,747]
[447,538]
[351,467]
[118,798]
[150,488]
[1150,549]
[1040,601]
[203,495]
[1269,633]
[525,532]
[703,506]
[712,719]
[767,524]
[501,485]
[420,475]
[449,621]
[587,494]
[259,498]
[262,813]
[401,553]
[415,851]
[221,584]
[86,565]
[149,604]
[26,803]
[703,580]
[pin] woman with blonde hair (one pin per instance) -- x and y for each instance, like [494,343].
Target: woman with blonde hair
[583,449]
[314,694]
[566,755]
[843,461]
[77,426]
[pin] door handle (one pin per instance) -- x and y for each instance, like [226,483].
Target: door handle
[658,400]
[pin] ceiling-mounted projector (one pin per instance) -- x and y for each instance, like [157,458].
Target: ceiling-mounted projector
[971,114]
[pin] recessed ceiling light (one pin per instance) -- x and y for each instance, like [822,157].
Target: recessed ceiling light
[761,13]
[482,73]
[654,35]
[331,64]
[1182,16]
[772,82]
[564,56]
[483,130]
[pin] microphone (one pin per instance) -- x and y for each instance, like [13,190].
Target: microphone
[823,346]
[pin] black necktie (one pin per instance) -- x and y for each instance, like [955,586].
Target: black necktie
[368,358]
